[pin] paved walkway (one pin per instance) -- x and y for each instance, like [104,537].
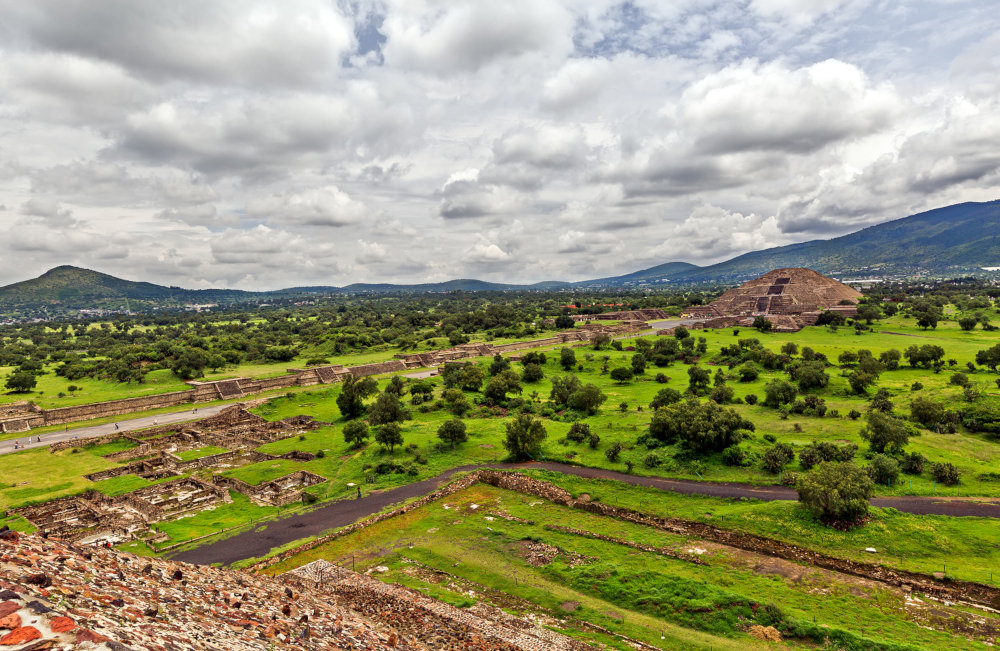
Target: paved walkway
[342,513]
[29,440]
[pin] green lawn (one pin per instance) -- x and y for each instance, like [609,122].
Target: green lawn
[668,602]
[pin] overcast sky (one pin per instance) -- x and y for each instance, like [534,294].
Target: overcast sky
[260,145]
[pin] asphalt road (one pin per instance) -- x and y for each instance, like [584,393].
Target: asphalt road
[29,440]
[342,513]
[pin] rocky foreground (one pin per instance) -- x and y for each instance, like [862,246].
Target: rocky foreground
[55,595]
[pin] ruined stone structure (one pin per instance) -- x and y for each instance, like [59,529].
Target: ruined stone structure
[20,417]
[790,298]
[59,595]
[94,516]
[645,314]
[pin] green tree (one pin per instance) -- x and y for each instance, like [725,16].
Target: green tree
[810,375]
[638,364]
[353,391]
[356,432]
[524,437]
[532,373]
[777,393]
[387,408]
[989,358]
[567,358]
[885,433]
[452,432]
[563,388]
[698,380]
[836,492]
[21,382]
[665,397]
[777,457]
[500,385]
[564,322]
[968,323]
[762,324]
[883,469]
[389,435]
[700,427]
[499,364]
[587,398]
[622,375]
[860,381]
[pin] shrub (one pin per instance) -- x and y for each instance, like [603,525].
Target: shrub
[837,493]
[820,451]
[883,469]
[854,414]
[578,432]
[532,373]
[734,455]
[960,379]
[622,375]
[721,395]
[770,438]
[945,473]
[916,386]
[665,397]
[778,393]
[700,427]
[662,378]
[651,460]
[748,372]
[613,452]
[751,399]
[913,463]
[593,441]
[776,457]
[926,411]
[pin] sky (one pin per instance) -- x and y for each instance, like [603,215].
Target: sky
[261,145]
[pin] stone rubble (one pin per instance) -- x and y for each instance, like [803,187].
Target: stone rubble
[58,595]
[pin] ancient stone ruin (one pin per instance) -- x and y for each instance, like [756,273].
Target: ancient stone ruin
[790,298]
[95,516]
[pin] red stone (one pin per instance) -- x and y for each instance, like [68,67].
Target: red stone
[9,607]
[61,624]
[11,621]
[20,636]
[85,635]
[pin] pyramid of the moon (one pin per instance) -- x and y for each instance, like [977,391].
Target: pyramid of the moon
[791,298]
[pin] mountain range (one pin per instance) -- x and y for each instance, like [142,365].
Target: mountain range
[950,241]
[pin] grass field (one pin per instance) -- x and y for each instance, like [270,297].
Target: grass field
[468,548]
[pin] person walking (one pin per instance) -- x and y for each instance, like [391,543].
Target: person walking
[359,492]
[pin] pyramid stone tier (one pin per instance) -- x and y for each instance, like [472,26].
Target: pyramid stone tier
[781,291]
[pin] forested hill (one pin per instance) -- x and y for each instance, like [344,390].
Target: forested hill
[950,241]
[76,288]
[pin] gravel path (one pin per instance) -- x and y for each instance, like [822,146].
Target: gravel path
[342,513]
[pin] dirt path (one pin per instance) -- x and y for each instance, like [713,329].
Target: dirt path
[267,536]
[29,440]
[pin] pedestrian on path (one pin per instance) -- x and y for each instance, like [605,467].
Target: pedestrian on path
[359,492]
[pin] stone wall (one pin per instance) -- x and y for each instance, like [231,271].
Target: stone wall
[61,415]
